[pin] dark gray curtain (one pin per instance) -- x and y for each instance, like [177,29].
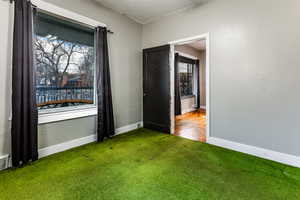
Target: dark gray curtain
[106,127]
[177,86]
[198,83]
[24,110]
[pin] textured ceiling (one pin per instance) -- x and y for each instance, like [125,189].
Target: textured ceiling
[199,45]
[145,11]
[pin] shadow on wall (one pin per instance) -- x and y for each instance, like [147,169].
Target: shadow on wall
[199,3]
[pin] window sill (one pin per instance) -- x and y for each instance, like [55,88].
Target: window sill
[187,97]
[66,115]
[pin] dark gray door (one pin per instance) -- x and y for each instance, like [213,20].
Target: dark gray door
[156,86]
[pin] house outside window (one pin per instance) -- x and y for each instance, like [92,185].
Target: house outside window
[65,63]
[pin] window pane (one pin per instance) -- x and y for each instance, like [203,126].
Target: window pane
[186,79]
[64,53]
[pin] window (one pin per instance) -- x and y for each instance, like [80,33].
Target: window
[186,78]
[64,57]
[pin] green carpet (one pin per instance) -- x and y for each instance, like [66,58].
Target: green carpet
[148,165]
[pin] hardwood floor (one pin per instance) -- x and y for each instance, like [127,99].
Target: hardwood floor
[192,125]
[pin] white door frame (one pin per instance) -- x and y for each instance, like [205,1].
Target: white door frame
[172,84]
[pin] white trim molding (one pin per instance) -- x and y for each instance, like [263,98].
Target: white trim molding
[50,8]
[75,113]
[74,143]
[6,159]
[60,114]
[130,127]
[256,151]
[82,141]
[189,39]
[188,110]
[66,145]
[45,118]
[205,37]
[186,55]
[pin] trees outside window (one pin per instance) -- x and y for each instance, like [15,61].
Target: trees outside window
[64,64]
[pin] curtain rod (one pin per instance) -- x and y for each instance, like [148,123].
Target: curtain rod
[108,30]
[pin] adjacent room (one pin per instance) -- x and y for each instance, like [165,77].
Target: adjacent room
[148,99]
[190,90]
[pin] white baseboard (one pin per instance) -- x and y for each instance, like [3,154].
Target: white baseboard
[256,151]
[4,162]
[4,157]
[252,150]
[76,143]
[82,141]
[66,145]
[191,109]
[188,110]
[128,128]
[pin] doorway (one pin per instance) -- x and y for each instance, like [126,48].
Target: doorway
[189,104]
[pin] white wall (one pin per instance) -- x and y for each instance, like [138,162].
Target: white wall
[254,81]
[5,75]
[202,67]
[126,74]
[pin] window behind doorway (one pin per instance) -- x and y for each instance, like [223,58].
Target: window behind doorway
[187,76]
[186,79]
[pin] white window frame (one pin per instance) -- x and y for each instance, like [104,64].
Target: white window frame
[61,114]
